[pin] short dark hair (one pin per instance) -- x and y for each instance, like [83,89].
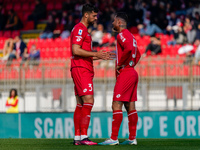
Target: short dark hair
[123,16]
[89,8]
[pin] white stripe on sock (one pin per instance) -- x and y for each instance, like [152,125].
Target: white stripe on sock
[88,104]
[117,113]
[132,113]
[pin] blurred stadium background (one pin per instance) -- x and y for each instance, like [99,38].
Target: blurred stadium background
[169,80]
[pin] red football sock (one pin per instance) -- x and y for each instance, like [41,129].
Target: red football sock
[132,118]
[85,117]
[77,120]
[117,119]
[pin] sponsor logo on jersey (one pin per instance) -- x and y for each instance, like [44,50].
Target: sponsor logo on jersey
[118,96]
[122,37]
[131,63]
[80,32]
[85,90]
[78,38]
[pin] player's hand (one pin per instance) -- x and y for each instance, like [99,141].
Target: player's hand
[102,54]
[118,68]
[144,55]
[110,56]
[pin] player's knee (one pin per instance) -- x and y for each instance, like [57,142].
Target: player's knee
[116,105]
[88,99]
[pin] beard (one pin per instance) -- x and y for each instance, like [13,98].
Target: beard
[114,29]
[91,23]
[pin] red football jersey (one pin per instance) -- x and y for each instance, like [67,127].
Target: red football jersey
[80,36]
[127,51]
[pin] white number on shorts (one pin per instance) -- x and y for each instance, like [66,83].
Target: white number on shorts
[90,86]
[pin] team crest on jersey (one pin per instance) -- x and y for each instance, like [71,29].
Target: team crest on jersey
[80,32]
[131,63]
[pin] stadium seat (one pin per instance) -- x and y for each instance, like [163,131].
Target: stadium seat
[60,53]
[2,41]
[196,71]
[15,33]
[17,7]
[58,6]
[50,6]
[32,6]
[7,34]
[42,53]
[25,7]
[99,72]
[29,25]
[134,30]
[1,33]
[9,6]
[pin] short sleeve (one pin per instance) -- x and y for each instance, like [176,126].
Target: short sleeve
[125,42]
[78,36]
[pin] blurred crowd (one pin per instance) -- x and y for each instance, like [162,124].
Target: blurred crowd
[146,17]
[16,49]
[180,18]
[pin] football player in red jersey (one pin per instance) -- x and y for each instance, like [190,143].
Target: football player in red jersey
[125,91]
[82,72]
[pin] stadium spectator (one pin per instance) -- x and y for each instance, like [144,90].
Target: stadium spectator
[68,27]
[179,35]
[19,50]
[38,13]
[138,11]
[189,30]
[197,53]
[48,31]
[154,9]
[173,21]
[97,36]
[13,22]
[196,20]
[154,46]
[68,6]
[162,16]
[147,28]
[64,18]
[7,49]
[196,9]
[33,57]
[198,32]
[12,102]
[58,29]
[105,17]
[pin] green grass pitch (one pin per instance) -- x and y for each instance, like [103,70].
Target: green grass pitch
[66,144]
